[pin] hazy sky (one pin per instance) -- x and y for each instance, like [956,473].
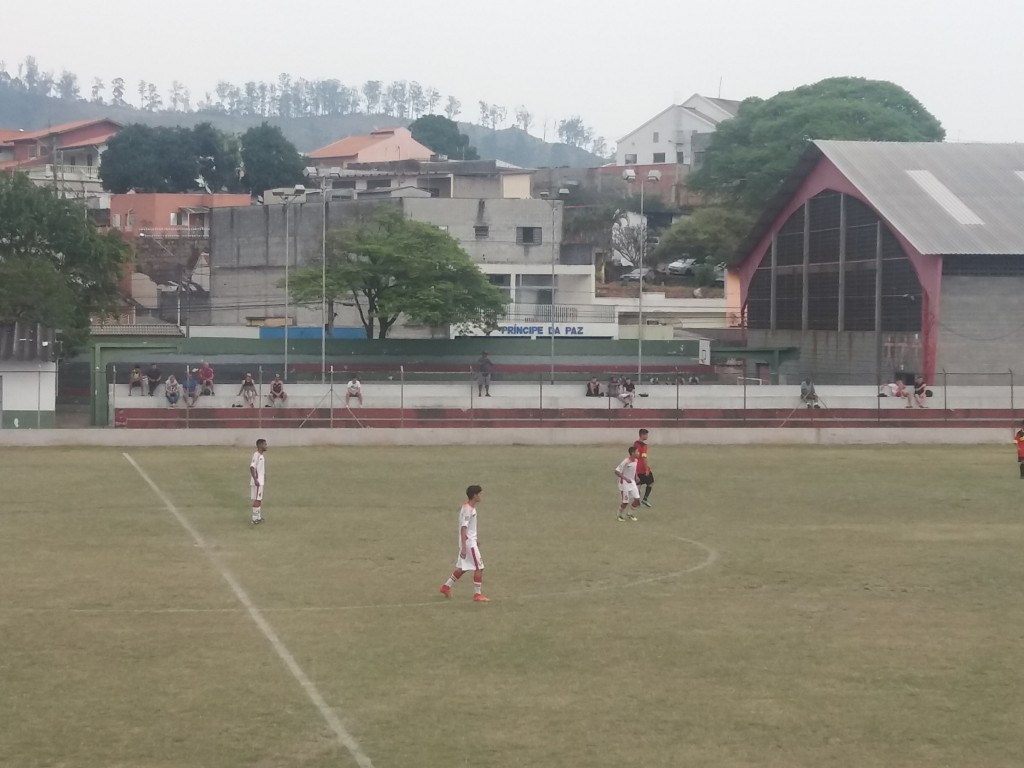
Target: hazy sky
[613,63]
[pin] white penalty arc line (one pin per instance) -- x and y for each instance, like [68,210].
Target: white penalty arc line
[330,717]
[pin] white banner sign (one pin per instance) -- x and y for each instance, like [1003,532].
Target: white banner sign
[529,330]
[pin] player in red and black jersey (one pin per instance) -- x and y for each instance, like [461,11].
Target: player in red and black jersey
[644,473]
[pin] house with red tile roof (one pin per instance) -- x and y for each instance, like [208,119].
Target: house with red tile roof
[382,145]
[66,156]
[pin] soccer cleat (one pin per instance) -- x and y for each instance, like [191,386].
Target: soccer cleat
[257,521]
[646,503]
[481,599]
[621,519]
[446,590]
[633,518]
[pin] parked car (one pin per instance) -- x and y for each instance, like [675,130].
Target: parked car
[650,276]
[681,268]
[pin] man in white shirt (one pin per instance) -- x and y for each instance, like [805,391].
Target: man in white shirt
[354,389]
[629,494]
[469,558]
[258,480]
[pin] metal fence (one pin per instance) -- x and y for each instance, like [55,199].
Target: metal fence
[396,397]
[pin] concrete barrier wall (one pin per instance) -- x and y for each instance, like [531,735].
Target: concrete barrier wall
[527,436]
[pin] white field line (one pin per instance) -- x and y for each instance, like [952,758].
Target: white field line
[330,717]
[710,558]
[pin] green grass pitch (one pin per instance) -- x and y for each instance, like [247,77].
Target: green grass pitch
[778,606]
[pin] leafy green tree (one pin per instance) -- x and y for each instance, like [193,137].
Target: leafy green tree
[391,266]
[750,155]
[269,159]
[55,268]
[442,135]
[709,235]
[219,158]
[150,159]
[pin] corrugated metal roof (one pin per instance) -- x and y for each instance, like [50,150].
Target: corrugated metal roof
[944,198]
[22,341]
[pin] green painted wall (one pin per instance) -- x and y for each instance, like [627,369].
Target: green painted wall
[27,420]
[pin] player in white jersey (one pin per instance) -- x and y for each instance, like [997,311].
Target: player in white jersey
[258,480]
[629,494]
[469,558]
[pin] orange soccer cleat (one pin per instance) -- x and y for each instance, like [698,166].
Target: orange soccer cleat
[446,590]
[481,599]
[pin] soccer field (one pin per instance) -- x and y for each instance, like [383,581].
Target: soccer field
[777,606]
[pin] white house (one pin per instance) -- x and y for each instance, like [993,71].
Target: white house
[668,136]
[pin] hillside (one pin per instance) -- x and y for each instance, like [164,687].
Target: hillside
[19,109]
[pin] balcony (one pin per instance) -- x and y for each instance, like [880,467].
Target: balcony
[176,233]
[559,313]
[67,173]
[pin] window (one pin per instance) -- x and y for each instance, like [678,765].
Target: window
[681,158]
[659,157]
[503,283]
[71,162]
[657,137]
[443,227]
[88,159]
[528,236]
[343,184]
[482,231]
[174,220]
[33,151]
[630,159]
[378,184]
[117,221]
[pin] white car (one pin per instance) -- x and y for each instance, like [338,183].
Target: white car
[681,267]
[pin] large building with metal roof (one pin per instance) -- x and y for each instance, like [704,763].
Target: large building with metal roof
[883,258]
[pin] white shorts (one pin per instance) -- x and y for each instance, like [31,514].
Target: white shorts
[256,494]
[472,561]
[628,492]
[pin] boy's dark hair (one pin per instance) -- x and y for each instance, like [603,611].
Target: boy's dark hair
[643,432]
[472,491]
[261,440]
[632,450]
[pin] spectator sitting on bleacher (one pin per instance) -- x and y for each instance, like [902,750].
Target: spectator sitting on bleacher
[248,391]
[895,388]
[593,387]
[918,398]
[172,390]
[277,391]
[135,380]
[206,378]
[153,376]
[807,394]
[191,387]
[627,393]
[354,389]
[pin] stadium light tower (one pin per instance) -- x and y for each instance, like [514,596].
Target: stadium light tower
[630,177]
[563,193]
[288,196]
[325,175]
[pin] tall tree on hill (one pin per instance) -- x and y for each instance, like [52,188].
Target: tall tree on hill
[141,88]
[372,94]
[524,119]
[750,155]
[97,90]
[442,136]
[269,159]
[417,99]
[153,99]
[55,268]
[433,97]
[67,86]
[391,266]
[117,92]
[573,132]
[452,108]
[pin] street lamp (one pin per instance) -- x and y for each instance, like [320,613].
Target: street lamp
[630,177]
[181,276]
[562,194]
[325,175]
[287,196]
